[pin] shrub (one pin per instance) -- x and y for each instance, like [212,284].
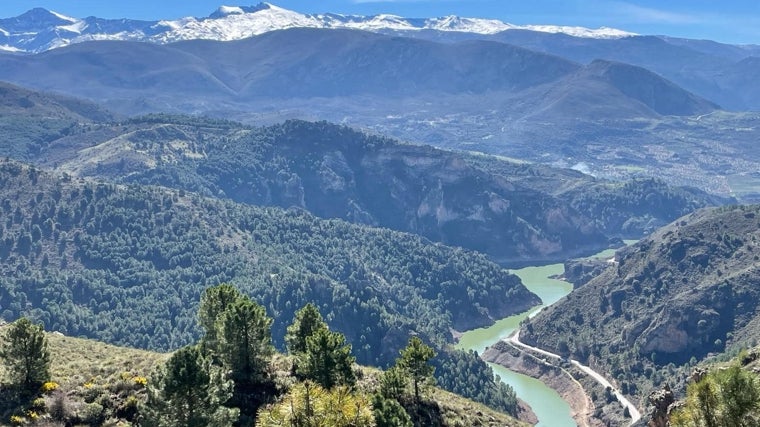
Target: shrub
[49,386]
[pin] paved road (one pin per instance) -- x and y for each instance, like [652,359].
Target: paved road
[635,414]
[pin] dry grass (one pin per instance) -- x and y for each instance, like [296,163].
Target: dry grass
[76,360]
[79,365]
[455,410]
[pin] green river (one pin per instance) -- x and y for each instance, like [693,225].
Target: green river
[550,408]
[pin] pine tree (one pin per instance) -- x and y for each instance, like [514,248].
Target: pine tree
[389,413]
[414,361]
[327,360]
[306,322]
[728,397]
[25,354]
[393,383]
[214,302]
[309,405]
[189,392]
[246,342]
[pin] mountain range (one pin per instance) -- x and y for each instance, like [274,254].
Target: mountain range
[616,107]
[511,211]
[39,29]
[145,161]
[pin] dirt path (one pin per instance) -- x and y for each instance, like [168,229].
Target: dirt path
[514,339]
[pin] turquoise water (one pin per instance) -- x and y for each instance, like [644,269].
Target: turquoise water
[550,408]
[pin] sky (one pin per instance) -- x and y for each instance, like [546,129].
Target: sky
[728,21]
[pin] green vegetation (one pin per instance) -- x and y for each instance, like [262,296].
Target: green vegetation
[414,363]
[310,405]
[24,352]
[214,303]
[726,396]
[188,392]
[327,359]
[307,321]
[476,202]
[466,374]
[669,302]
[188,388]
[127,265]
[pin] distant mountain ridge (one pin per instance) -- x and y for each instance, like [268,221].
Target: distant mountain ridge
[39,30]
[515,213]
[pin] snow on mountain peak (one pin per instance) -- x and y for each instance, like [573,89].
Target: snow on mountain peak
[236,22]
[582,32]
[31,32]
[63,17]
[473,25]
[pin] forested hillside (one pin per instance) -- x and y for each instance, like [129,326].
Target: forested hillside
[686,292]
[126,265]
[515,213]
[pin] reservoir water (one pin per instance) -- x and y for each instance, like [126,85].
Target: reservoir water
[550,408]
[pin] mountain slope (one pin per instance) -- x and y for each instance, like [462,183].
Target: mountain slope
[258,73]
[700,66]
[317,63]
[115,376]
[613,91]
[513,213]
[684,293]
[473,95]
[336,172]
[127,264]
[29,119]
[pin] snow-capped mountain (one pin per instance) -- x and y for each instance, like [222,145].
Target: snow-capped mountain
[39,30]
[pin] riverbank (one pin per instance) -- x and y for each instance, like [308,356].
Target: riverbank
[551,374]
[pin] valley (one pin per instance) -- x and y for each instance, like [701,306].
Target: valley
[543,398]
[417,195]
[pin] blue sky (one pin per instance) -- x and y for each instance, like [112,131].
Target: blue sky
[732,21]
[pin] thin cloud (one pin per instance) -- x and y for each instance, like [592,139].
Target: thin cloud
[651,15]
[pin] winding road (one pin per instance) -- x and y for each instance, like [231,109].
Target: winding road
[635,414]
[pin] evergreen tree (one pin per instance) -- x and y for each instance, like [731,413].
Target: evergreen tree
[214,302]
[389,413]
[309,405]
[393,383]
[414,362]
[327,359]
[246,342]
[728,397]
[189,392]
[306,322]
[25,354]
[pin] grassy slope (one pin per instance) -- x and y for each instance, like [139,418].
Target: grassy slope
[79,365]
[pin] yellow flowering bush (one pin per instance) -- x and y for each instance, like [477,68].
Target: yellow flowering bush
[141,381]
[49,386]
